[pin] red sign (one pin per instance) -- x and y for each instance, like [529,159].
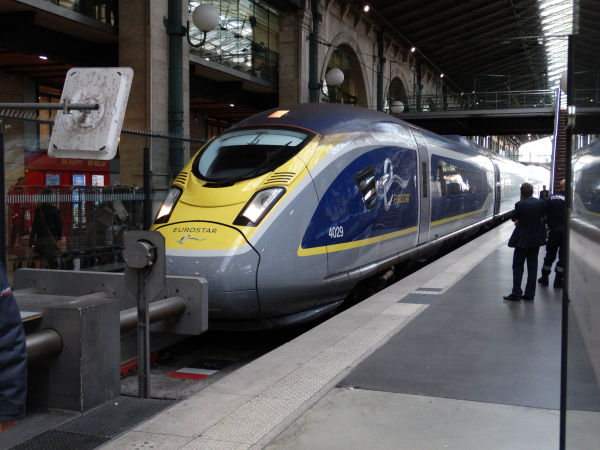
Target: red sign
[41,161]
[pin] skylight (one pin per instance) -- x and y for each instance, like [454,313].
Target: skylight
[557,24]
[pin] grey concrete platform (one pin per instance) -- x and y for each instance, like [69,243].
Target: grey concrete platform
[437,360]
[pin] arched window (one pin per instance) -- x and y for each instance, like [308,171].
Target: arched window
[396,92]
[352,90]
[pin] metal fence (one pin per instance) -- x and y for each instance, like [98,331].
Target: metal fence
[482,101]
[93,221]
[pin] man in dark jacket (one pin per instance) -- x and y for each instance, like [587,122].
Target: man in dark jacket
[46,231]
[529,234]
[555,213]
[13,359]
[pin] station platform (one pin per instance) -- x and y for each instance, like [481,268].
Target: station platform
[437,360]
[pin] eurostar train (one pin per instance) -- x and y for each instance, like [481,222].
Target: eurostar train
[586,185]
[583,271]
[288,210]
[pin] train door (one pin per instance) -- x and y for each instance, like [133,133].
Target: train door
[497,190]
[424,194]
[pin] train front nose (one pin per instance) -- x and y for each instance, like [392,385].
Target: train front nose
[221,254]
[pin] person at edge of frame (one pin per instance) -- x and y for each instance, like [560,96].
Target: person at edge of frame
[527,238]
[555,218]
[13,359]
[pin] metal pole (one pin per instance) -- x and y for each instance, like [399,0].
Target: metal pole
[419,87]
[145,279]
[143,332]
[147,190]
[380,71]
[176,31]
[313,52]
[3,203]
[564,344]
[42,345]
[159,310]
[555,140]
[444,96]
[53,106]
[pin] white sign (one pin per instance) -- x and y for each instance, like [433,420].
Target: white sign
[91,134]
[97,180]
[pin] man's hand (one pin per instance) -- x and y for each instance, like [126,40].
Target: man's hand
[5,426]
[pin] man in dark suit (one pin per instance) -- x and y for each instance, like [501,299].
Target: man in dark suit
[529,234]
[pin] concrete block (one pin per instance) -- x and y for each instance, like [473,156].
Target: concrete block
[86,373]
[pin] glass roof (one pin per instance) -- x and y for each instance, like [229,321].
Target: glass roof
[557,24]
[246,38]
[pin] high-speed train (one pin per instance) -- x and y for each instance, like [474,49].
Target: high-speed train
[586,185]
[288,210]
[583,270]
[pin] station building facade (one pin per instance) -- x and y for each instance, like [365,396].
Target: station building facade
[262,54]
[259,57]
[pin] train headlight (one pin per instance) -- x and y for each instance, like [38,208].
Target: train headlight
[258,206]
[167,206]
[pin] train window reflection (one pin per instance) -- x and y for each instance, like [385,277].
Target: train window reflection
[245,154]
[459,179]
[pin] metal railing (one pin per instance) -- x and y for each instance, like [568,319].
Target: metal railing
[259,63]
[482,101]
[93,220]
[589,98]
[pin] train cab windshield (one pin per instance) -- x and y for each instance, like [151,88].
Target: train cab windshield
[244,154]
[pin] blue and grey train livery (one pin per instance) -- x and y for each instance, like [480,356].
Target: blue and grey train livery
[288,210]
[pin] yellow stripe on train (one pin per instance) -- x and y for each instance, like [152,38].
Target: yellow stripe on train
[460,216]
[354,244]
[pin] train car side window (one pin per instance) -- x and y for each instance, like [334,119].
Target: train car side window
[461,180]
[367,186]
[443,189]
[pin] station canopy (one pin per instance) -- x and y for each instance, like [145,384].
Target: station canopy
[485,45]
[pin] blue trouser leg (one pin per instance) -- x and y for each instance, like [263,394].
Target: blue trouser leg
[561,252]
[517,267]
[532,265]
[552,247]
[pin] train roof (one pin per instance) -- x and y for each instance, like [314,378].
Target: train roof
[322,118]
[329,118]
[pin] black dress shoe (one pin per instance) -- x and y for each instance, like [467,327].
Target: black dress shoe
[512,298]
[526,297]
